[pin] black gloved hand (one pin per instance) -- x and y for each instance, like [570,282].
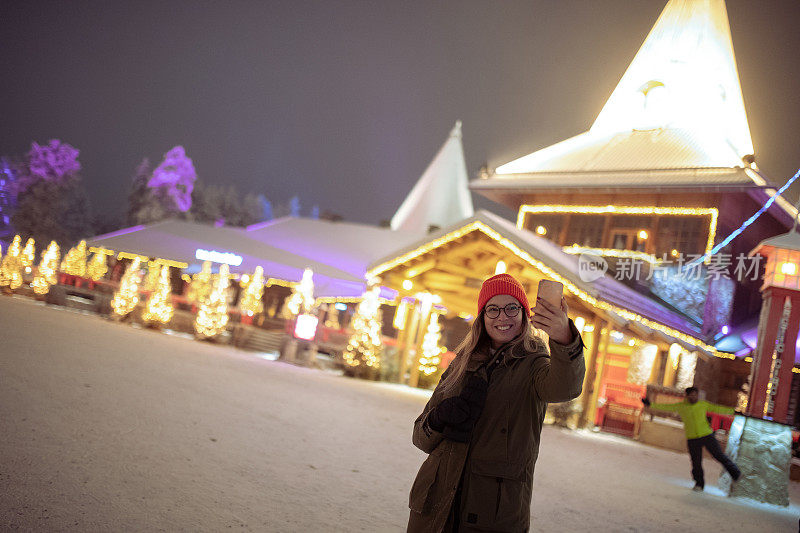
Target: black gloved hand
[646,402]
[473,396]
[452,411]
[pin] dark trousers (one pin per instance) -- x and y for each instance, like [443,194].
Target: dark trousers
[696,453]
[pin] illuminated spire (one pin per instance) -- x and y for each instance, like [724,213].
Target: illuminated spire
[678,105]
[683,77]
[441,196]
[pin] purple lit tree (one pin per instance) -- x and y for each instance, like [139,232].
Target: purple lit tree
[175,176]
[55,161]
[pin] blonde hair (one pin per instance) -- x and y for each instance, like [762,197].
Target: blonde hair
[477,340]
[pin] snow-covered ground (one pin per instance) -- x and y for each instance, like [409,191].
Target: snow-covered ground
[104,427]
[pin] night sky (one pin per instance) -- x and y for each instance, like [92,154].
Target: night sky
[345,103]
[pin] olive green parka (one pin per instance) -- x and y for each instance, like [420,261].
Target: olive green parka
[498,462]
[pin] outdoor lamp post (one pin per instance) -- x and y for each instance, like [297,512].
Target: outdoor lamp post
[761,440]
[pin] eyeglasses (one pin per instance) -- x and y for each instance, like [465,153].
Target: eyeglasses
[511,310]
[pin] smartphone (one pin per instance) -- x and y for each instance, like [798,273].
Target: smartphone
[550,291]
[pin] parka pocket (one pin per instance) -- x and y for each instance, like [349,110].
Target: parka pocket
[497,497]
[419,499]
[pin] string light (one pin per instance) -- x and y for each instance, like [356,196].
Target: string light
[250,302]
[127,296]
[212,318]
[365,344]
[724,242]
[46,273]
[74,262]
[711,212]
[302,298]
[200,285]
[97,266]
[159,307]
[431,351]
[11,266]
[549,272]
[611,252]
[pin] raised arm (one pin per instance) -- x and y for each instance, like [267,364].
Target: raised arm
[716,408]
[558,378]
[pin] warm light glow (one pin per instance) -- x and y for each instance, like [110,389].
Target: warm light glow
[580,323]
[252,290]
[500,268]
[306,327]
[789,269]
[711,212]
[675,350]
[212,318]
[643,235]
[302,298]
[400,314]
[159,309]
[366,344]
[46,273]
[541,230]
[674,253]
[631,342]
[127,296]
[548,272]
[407,285]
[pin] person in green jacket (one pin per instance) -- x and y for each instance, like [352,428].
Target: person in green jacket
[698,433]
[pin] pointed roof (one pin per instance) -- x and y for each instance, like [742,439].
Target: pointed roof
[678,107]
[441,195]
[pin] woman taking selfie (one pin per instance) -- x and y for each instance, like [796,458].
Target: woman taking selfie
[482,425]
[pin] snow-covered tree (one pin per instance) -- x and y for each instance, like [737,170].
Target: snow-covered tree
[175,176]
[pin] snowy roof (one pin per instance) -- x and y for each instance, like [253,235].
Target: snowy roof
[677,110]
[786,241]
[553,257]
[441,195]
[180,240]
[346,246]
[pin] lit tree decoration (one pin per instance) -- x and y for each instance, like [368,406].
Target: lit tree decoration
[431,351]
[175,176]
[302,298]
[97,266]
[11,266]
[159,306]
[27,255]
[212,318]
[126,298]
[250,302]
[200,286]
[365,344]
[46,273]
[74,262]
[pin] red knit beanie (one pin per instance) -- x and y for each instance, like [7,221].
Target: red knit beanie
[502,284]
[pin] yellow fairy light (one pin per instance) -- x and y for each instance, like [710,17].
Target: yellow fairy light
[212,318]
[46,273]
[366,345]
[431,351]
[400,315]
[11,266]
[253,289]
[549,272]
[74,262]
[97,266]
[711,212]
[500,268]
[541,230]
[407,284]
[302,298]
[28,253]
[127,296]
[159,307]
